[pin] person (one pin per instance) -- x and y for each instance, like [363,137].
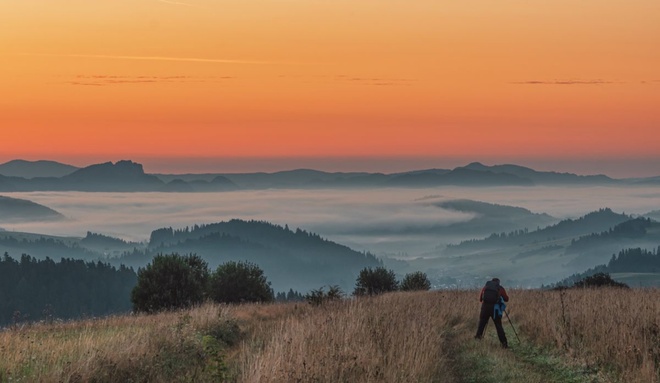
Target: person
[490,295]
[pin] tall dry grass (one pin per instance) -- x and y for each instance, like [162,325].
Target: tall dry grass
[124,348]
[391,338]
[401,337]
[607,328]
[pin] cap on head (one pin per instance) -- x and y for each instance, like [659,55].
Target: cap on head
[496,280]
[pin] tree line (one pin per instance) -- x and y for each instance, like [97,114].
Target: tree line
[33,290]
[633,260]
[173,281]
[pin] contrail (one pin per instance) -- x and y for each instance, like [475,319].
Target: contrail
[156,58]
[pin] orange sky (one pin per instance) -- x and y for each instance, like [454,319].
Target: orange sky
[519,81]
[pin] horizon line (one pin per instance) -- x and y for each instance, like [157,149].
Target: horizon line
[384,165]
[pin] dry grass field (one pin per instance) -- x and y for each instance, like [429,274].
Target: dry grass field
[606,335]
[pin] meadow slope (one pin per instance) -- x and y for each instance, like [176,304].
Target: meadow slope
[606,335]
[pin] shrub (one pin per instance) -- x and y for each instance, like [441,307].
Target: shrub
[318,296]
[415,281]
[170,282]
[375,281]
[599,280]
[236,282]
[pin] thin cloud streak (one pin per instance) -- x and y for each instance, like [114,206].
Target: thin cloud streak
[102,80]
[564,82]
[374,81]
[159,58]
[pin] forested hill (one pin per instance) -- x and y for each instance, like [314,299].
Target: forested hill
[632,229]
[291,259]
[637,232]
[594,222]
[92,247]
[548,254]
[634,266]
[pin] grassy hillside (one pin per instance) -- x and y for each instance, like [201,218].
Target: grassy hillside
[400,337]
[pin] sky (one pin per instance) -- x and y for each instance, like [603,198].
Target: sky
[250,85]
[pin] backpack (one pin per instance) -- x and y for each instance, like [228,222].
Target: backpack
[499,308]
[491,292]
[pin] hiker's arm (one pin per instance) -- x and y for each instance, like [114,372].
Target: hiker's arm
[503,294]
[481,296]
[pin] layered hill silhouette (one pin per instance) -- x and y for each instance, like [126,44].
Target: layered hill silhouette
[489,216]
[128,176]
[556,250]
[291,259]
[472,175]
[302,260]
[633,266]
[20,210]
[33,169]
[486,218]
[594,222]
[121,176]
[540,177]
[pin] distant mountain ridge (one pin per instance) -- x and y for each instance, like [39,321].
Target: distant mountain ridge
[471,175]
[33,169]
[120,176]
[537,176]
[128,176]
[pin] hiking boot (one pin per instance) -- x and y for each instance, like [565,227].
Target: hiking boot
[505,345]
[477,337]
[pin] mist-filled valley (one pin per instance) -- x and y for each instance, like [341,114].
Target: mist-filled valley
[451,233]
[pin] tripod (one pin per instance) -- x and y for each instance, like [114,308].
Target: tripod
[514,329]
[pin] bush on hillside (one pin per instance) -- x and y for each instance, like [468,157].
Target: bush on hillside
[415,282]
[236,282]
[375,281]
[599,280]
[319,296]
[170,282]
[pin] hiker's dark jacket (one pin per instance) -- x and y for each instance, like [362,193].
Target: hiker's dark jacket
[502,294]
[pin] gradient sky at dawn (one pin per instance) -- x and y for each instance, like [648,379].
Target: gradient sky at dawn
[573,85]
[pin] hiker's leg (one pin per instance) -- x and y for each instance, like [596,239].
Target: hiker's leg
[483,320]
[500,331]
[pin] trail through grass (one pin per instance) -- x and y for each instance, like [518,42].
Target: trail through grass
[484,361]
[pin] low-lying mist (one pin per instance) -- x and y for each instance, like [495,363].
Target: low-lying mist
[396,221]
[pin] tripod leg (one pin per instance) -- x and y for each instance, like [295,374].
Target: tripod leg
[514,329]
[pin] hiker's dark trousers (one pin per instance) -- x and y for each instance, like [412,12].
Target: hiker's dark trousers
[487,311]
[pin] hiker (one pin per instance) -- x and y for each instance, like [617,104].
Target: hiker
[491,296]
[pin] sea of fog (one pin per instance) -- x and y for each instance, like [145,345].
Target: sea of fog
[364,219]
